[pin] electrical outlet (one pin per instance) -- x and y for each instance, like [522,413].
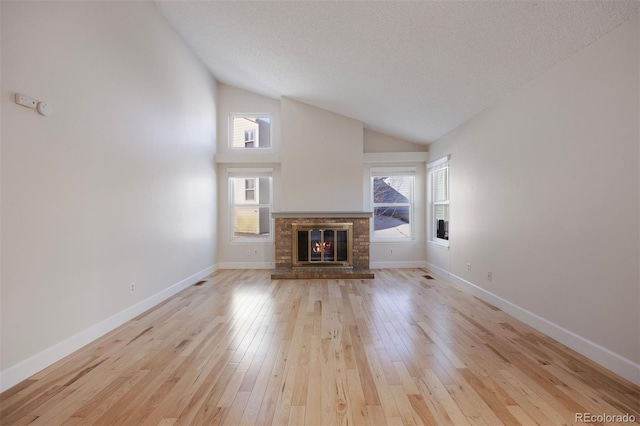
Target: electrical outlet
[255,252]
[132,288]
[26,101]
[468,266]
[390,251]
[489,276]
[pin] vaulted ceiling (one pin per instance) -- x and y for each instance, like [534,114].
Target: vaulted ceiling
[412,69]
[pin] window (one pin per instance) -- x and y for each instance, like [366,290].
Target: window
[249,131]
[249,138]
[250,203]
[250,189]
[439,200]
[392,191]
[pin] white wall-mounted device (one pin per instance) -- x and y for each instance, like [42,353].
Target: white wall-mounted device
[43,108]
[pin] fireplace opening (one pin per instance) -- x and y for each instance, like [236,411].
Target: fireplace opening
[327,244]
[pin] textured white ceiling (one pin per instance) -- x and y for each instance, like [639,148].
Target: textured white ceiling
[413,69]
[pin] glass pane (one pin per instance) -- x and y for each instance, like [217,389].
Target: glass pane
[244,190]
[246,221]
[264,188]
[342,246]
[316,245]
[242,194]
[303,246]
[391,222]
[328,247]
[392,189]
[441,185]
[251,132]
[265,221]
[251,222]
[251,214]
[441,222]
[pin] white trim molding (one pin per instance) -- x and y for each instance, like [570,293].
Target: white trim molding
[443,273]
[27,368]
[399,265]
[247,157]
[321,215]
[618,364]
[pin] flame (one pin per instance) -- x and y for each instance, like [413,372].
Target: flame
[320,247]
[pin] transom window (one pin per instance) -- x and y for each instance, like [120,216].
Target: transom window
[392,195]
[249,131]
[250,204]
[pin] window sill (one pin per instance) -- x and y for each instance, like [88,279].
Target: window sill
[443,243]
[247,157]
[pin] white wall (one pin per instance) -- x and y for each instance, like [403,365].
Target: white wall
[117,186]
[378,142]
[322,157]
[545,194]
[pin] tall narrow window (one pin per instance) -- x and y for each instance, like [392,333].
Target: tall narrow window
[392,195]
[249,131]
[439,200]
[250,203]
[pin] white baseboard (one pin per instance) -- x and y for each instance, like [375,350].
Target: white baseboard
[599,354]
[437,270]
[246,265]
[27,368]
[399,264]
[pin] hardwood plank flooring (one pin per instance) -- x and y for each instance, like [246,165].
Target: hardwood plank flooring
[242,349]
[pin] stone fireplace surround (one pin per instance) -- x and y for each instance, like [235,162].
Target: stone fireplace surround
[283,244]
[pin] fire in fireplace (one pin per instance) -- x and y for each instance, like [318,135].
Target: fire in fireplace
[322,244]
[319,247]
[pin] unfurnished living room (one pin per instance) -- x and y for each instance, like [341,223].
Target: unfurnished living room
[320,212]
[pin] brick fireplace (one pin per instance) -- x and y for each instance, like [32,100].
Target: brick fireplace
[285,223]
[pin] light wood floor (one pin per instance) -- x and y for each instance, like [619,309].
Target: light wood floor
[242,349]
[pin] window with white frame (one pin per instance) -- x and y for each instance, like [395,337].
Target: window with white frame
[438,174]
[392,196]
[250,203]
[249,131]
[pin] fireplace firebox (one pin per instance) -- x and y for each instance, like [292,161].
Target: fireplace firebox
[322,244]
